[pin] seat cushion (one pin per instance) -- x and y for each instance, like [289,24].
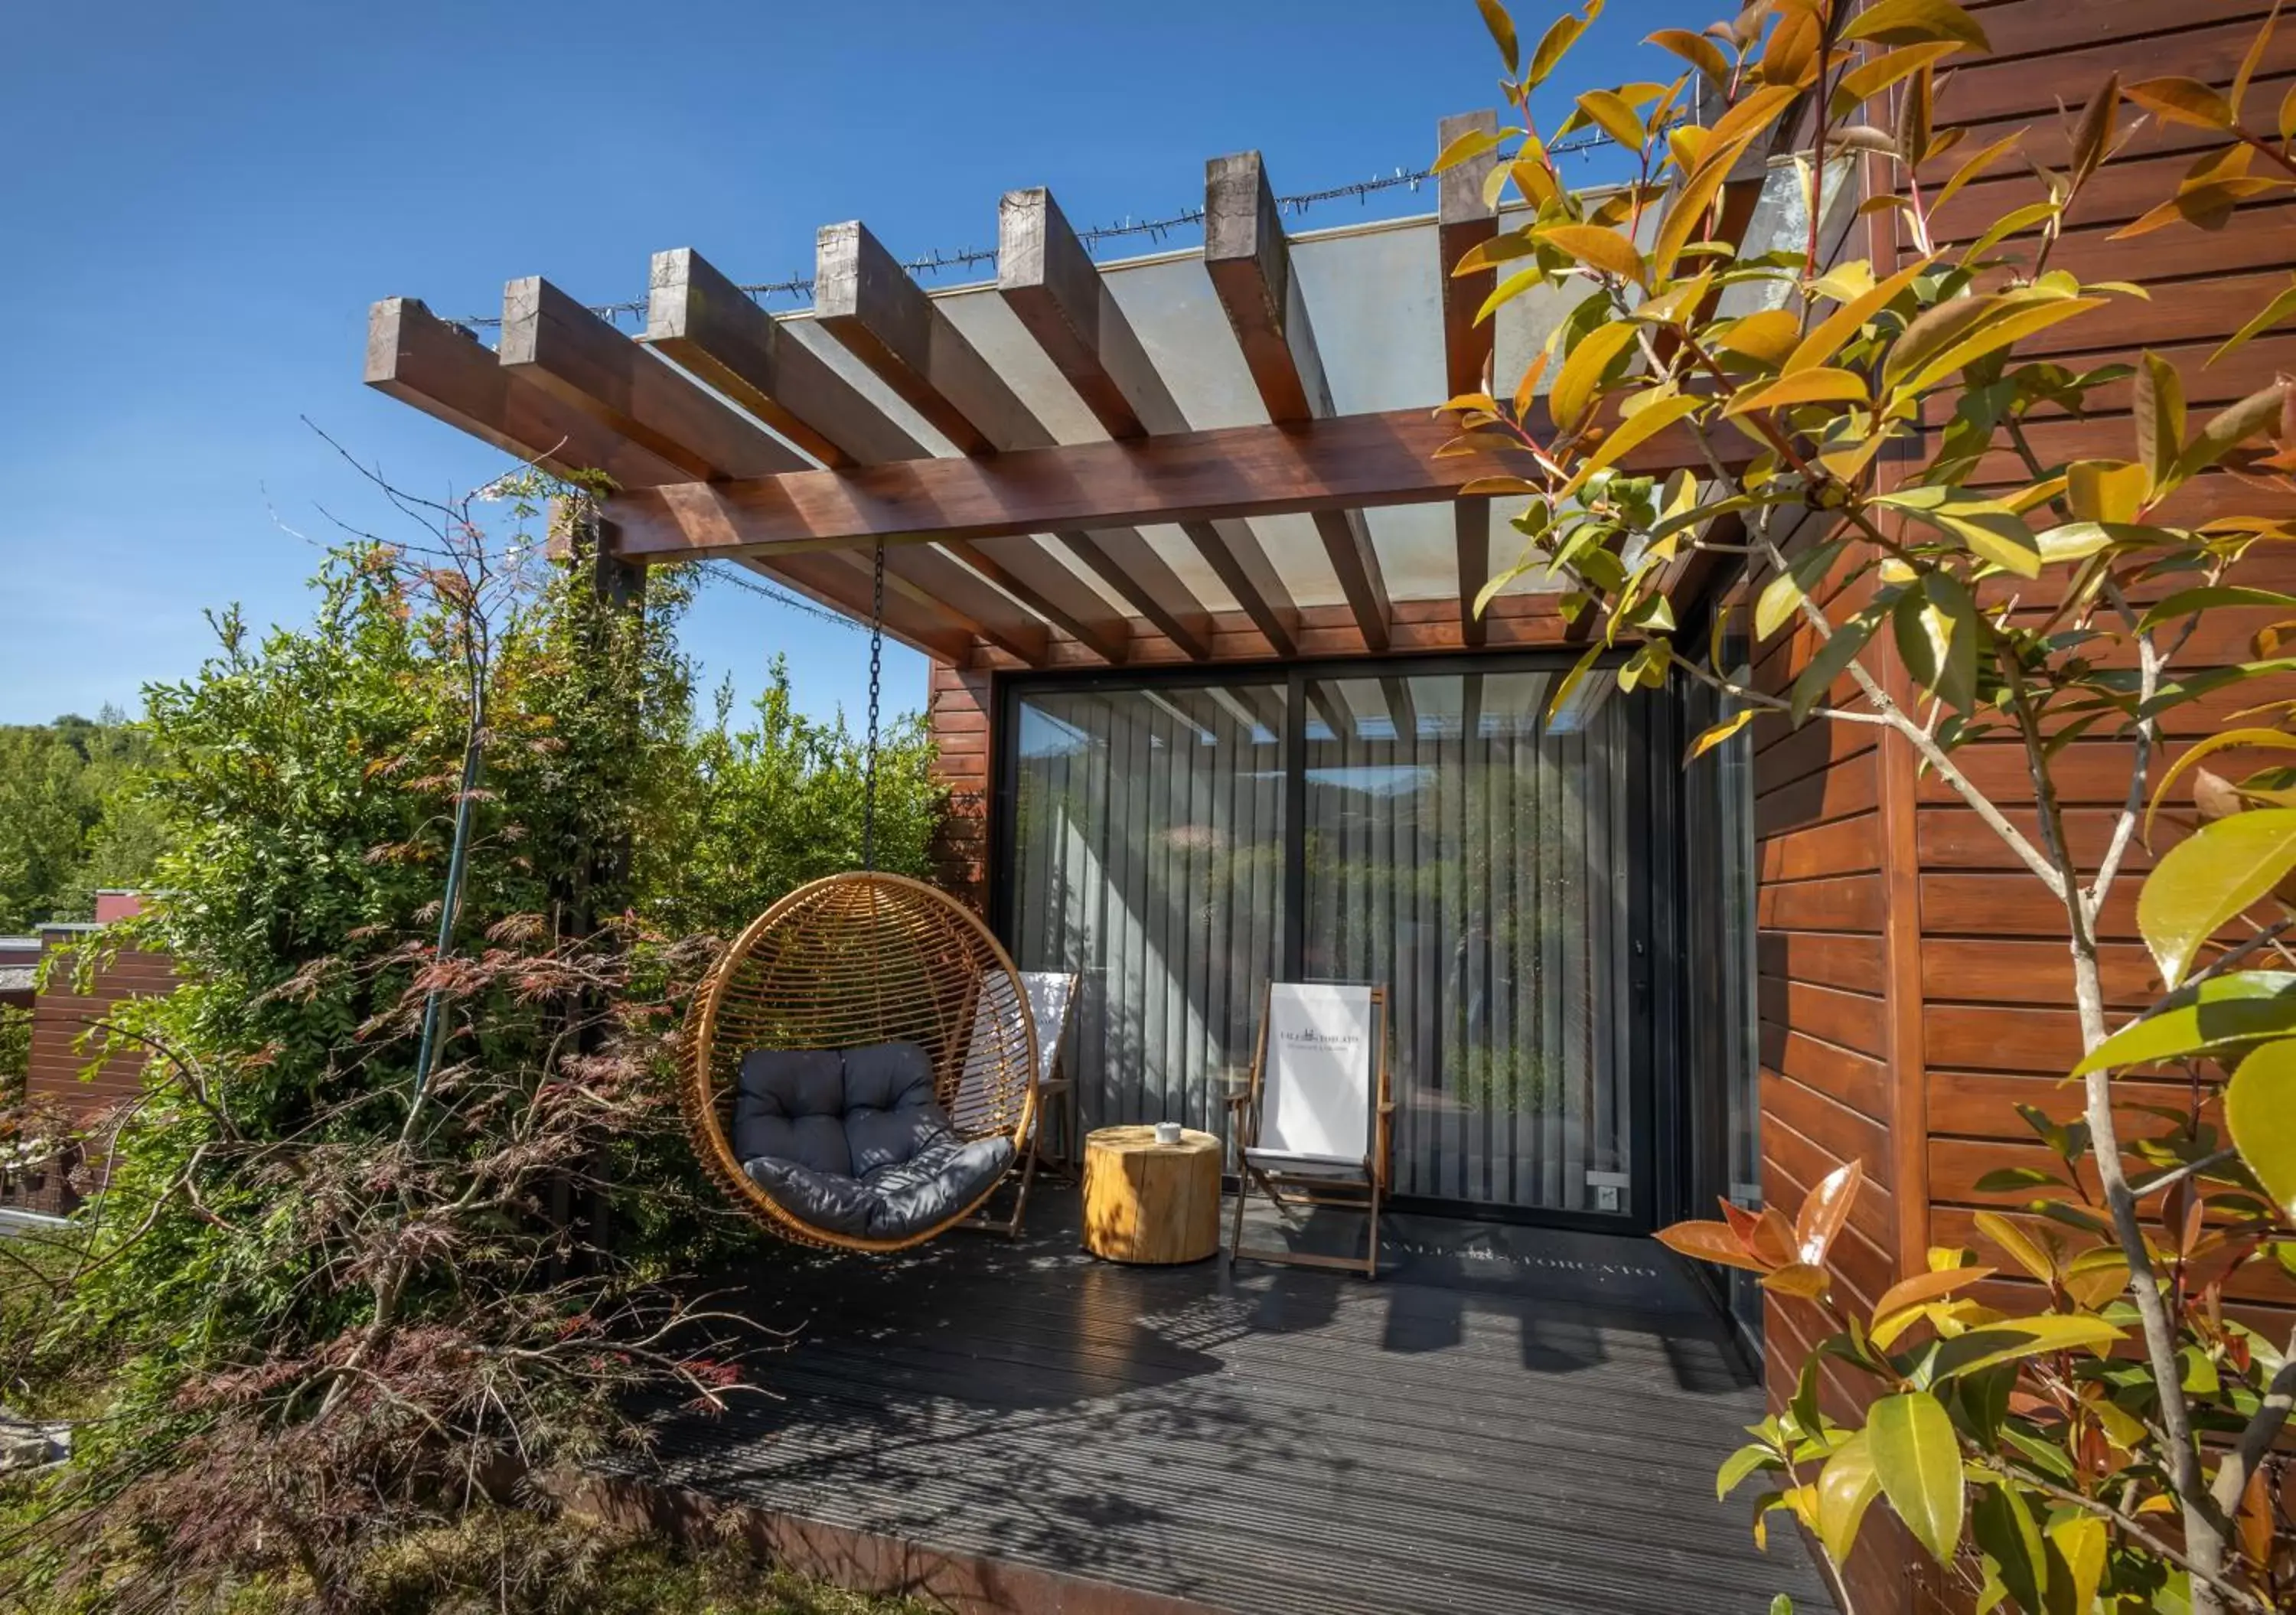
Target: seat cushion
[790,1106]
[891,1115]
[854,1143]
[940,1181]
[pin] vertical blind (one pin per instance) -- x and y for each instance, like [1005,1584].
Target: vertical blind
[1474,855]
[1458,846]
[1149,859]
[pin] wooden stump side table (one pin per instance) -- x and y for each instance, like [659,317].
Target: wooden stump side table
[1148,1203]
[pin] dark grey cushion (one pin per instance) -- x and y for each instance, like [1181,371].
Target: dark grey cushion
[945,1178]
[790,1106]
[854,1144]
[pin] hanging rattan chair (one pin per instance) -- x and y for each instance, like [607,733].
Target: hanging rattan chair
[854,965]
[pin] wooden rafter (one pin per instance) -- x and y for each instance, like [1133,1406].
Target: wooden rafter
[1464,221]
[697,316]
[868,302]
[420,359]
[1347,462]
[1250,262]
[1058,294]
[551,339]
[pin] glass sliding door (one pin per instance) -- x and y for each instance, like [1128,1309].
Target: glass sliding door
[1148,857]
[1477,858]
[1182,842]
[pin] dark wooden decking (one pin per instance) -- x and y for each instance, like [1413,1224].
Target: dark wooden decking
[1511,1420]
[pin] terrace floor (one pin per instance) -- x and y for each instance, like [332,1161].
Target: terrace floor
[1510,1420]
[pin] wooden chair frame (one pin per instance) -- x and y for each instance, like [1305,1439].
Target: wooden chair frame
[1313,1188]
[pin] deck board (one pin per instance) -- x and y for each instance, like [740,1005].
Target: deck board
[1510,1420]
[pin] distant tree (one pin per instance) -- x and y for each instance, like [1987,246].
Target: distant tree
[73,816]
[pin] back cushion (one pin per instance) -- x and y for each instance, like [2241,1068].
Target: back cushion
[889,1110]
[789,1105]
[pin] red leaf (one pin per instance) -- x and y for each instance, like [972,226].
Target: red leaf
[1710,1243]
[1825,1210]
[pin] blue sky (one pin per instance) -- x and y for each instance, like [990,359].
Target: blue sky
[201,202]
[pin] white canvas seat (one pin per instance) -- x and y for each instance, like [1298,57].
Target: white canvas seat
[1314,1125]
[1052,1001]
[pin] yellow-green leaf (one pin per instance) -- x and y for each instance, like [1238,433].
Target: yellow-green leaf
[1469,146]
[2080,1542]
[1508,290]
[1916,22]
[2014,1243]
[1804,387]
[1696,49]
[1827,336]
[1502,27]
[1752,114]
[2004,1528]
[1717,734]
[1868,79]
[2246,1006]
[2111,491]
[2181,100]
[1486,487]
[1608,111]
[1975,166]
[1846,1488]
[1597,248]
[1630,433]
[1582,373]
[1785,593]
[1994,334]
[2270,740]
[2211,878]
[1686,209]
[2260,1110]
[2158,408]
[2010,1340]
[2279,308]
[2229,428]
[1767,336]
[1559,37]
[1917,1459]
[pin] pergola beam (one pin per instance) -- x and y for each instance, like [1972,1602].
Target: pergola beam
[1059,295]
[696,315]
[1464,221]
[1347,462]
[1250,263]
[865,298]
[445,372]
[551,339]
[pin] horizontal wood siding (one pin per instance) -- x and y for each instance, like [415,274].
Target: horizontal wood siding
[960,715]
[73,1064]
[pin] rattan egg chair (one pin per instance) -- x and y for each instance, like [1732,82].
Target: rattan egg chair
[845,963]
[854,967]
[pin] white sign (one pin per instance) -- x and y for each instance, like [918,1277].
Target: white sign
[1315,1089]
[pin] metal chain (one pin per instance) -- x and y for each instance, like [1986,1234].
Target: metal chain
[876,670]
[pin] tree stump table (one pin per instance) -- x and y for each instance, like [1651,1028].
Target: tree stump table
[1149,1203]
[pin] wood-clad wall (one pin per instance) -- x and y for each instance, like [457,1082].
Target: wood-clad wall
[1915,986]
[959,715]
[64,1044]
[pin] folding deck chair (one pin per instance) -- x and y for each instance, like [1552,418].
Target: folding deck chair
[1052,1001]
[1315,1125]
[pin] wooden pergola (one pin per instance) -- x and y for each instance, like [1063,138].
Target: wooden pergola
[727,437]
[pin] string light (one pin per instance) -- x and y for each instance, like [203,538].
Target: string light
[940,260]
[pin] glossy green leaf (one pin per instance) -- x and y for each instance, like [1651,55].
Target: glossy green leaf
[1846,1488]
[1630,434]
[1780,599]
[2261,1112]
[2014,1339]
[2210,880]
[1740,1464]
[2241,1007]
[1917,1459]
[2185,602]
[2004,1528]
[1832,659]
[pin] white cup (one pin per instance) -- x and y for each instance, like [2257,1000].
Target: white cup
[1168,1132]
